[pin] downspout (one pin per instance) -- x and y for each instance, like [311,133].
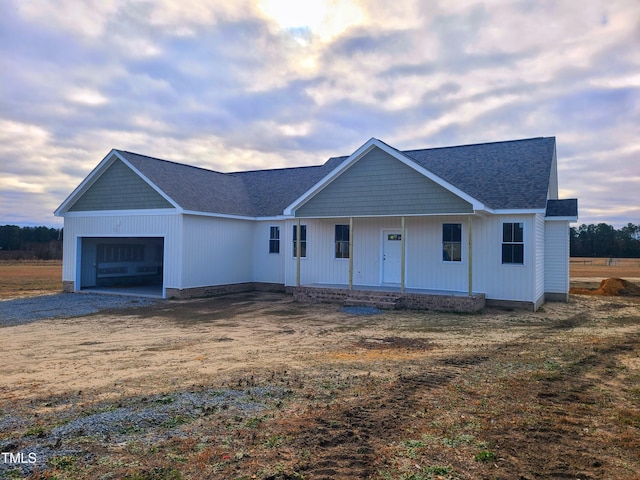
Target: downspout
[402,255]
[350,253]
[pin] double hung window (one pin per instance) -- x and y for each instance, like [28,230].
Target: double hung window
[513,243]
[342,241]
[451,242]
[303,240]
[274,239]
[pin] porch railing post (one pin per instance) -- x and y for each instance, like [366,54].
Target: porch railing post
[350,253]
[470,234]
[402,255]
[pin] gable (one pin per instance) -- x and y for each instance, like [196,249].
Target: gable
[119,188]
[379,184]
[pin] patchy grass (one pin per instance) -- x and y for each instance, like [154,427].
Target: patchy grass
[29,277]
[404,395]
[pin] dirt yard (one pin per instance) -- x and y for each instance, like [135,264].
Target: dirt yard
[256,386]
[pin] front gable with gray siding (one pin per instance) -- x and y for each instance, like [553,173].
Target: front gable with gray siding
[380,185]
[119,188]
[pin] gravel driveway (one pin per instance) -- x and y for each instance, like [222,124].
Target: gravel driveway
[63,305]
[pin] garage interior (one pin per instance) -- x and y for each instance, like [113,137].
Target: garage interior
[123,265]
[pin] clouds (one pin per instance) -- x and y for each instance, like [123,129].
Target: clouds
[262,84]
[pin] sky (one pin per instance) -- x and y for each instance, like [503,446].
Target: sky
[251,84]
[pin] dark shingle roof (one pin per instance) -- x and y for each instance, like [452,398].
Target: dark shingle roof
[502,175]
[259,193]
[562,208]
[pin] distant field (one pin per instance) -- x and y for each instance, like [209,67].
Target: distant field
[29,277]
[590,270]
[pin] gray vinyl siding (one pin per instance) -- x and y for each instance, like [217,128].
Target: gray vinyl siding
[378,184]
[119,188]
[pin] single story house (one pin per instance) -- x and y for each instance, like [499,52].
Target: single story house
[481,222]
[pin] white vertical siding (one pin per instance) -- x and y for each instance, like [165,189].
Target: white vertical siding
[216,251]
[490,276]
[268,267]
[424,265]
[166,226]
[556,272]
[540,252]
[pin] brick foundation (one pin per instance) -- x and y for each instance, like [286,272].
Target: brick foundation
[216,290]
[390,300]
[67,286]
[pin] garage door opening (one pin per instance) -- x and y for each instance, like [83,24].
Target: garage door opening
[125,265]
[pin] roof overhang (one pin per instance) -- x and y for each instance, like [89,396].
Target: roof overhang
[361,152]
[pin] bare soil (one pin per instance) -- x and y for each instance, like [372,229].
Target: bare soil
[397,395]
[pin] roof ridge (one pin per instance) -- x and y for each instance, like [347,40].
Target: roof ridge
[172,162]
[290,168]
[475,144]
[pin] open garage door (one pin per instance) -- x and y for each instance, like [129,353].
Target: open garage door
[122,264]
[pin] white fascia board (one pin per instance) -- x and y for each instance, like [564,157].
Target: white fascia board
[519,211]
[149,182]
[218,215]
[561,219]
[408,215]
[362,151]
[120,213]
[85,184]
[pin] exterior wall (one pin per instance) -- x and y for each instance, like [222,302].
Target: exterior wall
[557,260]
[378,184]
[119,188]
[540,259]
[167,226]
[490,276]
[216,251]
[268,267]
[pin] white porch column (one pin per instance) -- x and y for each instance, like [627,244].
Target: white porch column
[350,253]
[470,234]
[402,254]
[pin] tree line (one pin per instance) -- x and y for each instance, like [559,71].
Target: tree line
[604,240]
[30,243]
[601,240]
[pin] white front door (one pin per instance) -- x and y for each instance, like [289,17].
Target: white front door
[391,254]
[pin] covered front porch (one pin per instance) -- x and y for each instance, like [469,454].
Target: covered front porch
[390,262]
[391,297]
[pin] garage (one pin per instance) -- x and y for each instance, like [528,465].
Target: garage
[131,265]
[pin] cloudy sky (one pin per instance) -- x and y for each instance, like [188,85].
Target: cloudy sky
[249,84]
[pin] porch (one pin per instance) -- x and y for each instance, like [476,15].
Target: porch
[390,297]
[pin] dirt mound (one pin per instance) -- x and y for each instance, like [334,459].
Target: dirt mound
[611,287]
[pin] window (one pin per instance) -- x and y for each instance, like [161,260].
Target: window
[452,242]
[513,243]
[120,253]
[303,240]
[274,239]
[342,241]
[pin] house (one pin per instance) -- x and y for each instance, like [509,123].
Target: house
[443,226]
